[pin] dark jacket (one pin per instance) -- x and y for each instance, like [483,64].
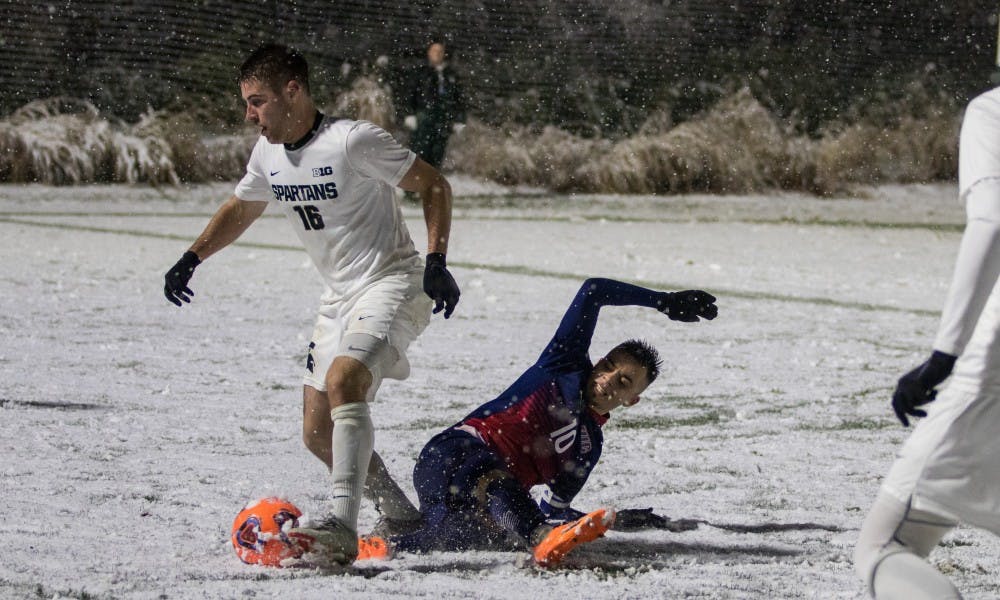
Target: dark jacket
[437,94]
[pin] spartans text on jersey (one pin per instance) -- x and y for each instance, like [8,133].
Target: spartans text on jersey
[304,193]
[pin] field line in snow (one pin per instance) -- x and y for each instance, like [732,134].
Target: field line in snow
[510,269]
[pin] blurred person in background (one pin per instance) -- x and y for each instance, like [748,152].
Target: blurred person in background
[435,105]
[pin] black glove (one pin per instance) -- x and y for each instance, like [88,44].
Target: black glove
[178,276]
[636,519]
[917,387]
[440,285]
[688,305]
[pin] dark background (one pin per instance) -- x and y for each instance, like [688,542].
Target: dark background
[590,66]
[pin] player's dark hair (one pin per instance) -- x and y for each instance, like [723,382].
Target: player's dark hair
[644,354]
[274,65]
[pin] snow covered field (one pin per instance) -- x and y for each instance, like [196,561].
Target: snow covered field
[133,431]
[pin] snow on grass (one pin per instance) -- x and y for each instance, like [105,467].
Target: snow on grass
[133,432]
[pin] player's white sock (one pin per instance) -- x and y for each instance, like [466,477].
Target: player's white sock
[353,440]
[891,550]
[906,576]
[389,499]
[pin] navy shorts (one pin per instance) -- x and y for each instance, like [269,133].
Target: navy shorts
[450,466]
[446,475]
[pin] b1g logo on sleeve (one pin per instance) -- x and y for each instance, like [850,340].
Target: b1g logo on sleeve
[322,171]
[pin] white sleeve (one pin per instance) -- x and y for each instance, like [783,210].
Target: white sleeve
[376,154]
[979,141]
[254,185]
[976,268]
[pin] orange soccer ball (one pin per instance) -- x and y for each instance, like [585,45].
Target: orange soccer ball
[260,532]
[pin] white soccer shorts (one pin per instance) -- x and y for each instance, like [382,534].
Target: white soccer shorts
[375,327]
[950,464]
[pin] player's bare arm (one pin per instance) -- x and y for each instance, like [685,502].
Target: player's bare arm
[226,225]
[435,194]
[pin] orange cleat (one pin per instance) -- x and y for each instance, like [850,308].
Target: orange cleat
[373,548]
[562,539]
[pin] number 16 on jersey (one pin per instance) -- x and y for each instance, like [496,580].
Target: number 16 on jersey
[311,219]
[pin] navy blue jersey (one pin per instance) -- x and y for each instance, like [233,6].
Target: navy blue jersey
[540,425]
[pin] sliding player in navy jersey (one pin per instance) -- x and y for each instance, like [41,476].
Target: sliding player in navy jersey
[333,179]
[473,479]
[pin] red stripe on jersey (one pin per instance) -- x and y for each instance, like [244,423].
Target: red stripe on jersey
[524,435]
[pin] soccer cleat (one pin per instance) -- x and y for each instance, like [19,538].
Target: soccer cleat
[562,539]
[327,543]
[372,547]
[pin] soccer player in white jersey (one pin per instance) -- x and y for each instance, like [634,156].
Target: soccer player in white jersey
[334,179]
[948,471]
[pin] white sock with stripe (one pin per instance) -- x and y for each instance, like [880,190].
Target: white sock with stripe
[353,440]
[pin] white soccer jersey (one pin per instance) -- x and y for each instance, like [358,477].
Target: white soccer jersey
[337,191]
[950,465]
[979,255]
[978,150]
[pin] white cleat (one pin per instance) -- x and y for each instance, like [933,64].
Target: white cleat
[327,543]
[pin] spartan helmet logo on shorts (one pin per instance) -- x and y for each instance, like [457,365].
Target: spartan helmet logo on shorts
[310,362]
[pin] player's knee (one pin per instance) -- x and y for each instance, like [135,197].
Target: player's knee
[890,528]
[869,566]
[876,535]
[347,381]
[867,557]
[489,479]
[862,567]
[868,551]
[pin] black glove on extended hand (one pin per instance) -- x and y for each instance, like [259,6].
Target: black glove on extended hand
[917,387]
[440,285]
[178,276]
[688,305]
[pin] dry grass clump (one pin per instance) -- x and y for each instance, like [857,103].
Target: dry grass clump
[63,141]
[197,155]
[367,100]
[225,156]
[517,155]
[737,146]
[142,153]
[41,142]
[913,150]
